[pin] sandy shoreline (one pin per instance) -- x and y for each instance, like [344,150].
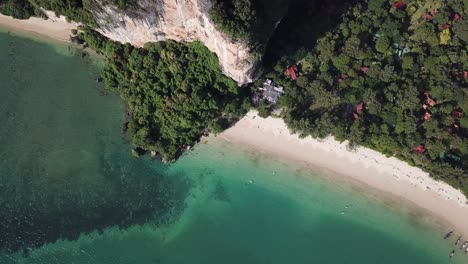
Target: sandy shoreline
[363,165]
[56,28]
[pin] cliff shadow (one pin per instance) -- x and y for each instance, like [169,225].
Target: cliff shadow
[64,210]
[305,22]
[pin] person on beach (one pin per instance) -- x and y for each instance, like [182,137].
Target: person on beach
[449,234]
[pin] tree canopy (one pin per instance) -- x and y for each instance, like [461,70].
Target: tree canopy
[174,92]
[20,9]
[407,65]
[76,10]
[234,17]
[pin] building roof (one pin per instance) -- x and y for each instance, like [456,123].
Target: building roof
[429,100]
[355,116]
[271,91]
[399,5]
[456,113]
[426,16]
[359,107]
[427,116]
[292,72]
[419,149]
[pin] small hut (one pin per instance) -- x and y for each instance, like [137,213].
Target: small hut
[399,5]
[271,91]
[419,149]
[292,72]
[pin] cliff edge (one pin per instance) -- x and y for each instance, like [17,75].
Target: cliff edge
[179,20]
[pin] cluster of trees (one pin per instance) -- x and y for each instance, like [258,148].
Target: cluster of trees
[76,10]
[407,64]
[234,17]
[174,92]
[249,21]
[20,9]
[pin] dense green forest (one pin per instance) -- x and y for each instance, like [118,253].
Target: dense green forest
[404,63]
[236,17]
[21,9]
[76,10]
[252,22]
[174,92]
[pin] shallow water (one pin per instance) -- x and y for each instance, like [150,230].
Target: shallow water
[64,165]
[72,193]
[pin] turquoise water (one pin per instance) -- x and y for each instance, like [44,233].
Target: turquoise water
[71,192]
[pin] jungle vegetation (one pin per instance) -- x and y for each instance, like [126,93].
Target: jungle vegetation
[175,92]
[235,17]
[76,10]
[248,21]
[404,62]
[20,9]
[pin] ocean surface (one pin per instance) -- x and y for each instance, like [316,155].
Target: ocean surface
[71,192]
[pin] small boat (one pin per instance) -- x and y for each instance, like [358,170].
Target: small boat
[452,254]
[458,240]
[463,246]
[449,234]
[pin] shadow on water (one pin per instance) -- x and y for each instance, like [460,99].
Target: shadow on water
[36,212]
[305,22]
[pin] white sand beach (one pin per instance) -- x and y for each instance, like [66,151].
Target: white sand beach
[373,169]
[56,28]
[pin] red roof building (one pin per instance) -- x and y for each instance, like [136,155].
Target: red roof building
[445,26]
[399,5]
[465,75]
[456,17]
[419,149]
[359,107]
[427,116]
[431,102]
[456,113]
[355,116]
[292,72]
[364,68]
[429,99]
[426,16]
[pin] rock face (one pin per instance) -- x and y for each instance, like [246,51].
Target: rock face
[179,20]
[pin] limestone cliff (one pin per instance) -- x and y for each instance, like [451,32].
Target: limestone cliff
[180,20]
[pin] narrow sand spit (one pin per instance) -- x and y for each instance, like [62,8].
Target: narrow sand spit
[364,165]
